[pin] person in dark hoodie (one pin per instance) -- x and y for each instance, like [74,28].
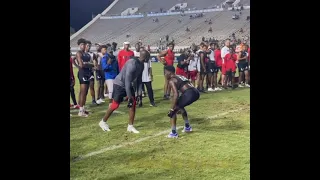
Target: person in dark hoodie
[110,68]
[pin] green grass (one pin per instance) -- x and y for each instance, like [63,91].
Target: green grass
[217,149]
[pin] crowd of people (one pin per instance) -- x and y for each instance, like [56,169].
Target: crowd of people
[123,75]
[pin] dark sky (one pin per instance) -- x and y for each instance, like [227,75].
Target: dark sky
[81,10]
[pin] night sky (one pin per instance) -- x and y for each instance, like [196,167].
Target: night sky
[81,10]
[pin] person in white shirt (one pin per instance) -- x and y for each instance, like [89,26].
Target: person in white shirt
[224,51]
[211,68]
[192,69]
[147,79]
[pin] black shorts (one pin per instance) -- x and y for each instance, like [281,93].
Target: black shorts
[217,69]
[188,97]
[210,67]
[84,77]
[119,93]
[243,66]
[229,73]
[100,76]
[92,76]
[202,71]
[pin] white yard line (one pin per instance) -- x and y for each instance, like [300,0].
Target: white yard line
[224,113]
[143,139]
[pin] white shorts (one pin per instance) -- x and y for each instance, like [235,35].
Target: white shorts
[109,83]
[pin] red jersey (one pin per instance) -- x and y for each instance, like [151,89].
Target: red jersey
[217,57]
[169,58]
[230,62]
[123,57]
[71,69]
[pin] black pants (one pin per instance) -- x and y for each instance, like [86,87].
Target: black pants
[73,96]
[188,97]
[150,90]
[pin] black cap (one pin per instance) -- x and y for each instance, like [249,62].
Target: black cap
[170,69]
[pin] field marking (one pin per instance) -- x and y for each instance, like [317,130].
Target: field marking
[113,147]
[224,113]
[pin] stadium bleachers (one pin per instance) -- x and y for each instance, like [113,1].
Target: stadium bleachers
[116,30]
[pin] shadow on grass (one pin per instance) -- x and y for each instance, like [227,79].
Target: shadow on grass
[210,125]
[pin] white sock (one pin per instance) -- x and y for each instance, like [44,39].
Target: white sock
[81,109]
[130,126]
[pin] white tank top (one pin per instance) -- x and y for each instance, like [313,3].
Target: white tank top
[211,55]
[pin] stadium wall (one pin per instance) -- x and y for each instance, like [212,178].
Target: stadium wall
[109,7]
[94,20]
[85,27]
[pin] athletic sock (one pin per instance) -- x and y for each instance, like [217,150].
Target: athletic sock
[81,109]
[186,123]
[130,126]
[174,130]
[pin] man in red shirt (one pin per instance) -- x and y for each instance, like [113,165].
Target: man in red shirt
[124,55]
[218,67]
[229,67]
[166,57]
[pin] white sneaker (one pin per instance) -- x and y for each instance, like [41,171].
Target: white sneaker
[104,126]
[82,114]
[210,89]
[132,129]
[106,95]
[247,85]
[70,115]
[101,100]
[240,85]
[217,89]
[98,101]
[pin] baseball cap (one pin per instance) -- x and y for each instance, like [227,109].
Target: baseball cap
[126,42]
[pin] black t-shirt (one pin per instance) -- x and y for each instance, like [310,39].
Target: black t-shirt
[243,54]
[181,81]
[181,58]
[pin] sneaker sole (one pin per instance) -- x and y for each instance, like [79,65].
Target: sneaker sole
[104,129]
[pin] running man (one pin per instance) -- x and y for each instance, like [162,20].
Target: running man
[166,57]
[122,87]
[84,74]
[189,95]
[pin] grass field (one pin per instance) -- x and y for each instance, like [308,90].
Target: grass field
[219,147]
